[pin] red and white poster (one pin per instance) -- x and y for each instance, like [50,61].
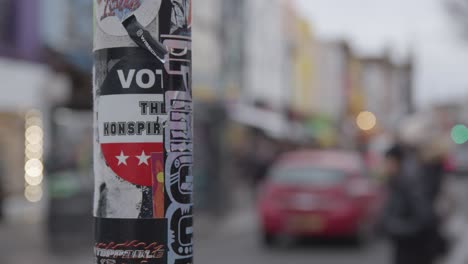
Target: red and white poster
[129,139]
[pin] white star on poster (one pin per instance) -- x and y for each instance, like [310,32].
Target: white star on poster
[143,158]
[122,158]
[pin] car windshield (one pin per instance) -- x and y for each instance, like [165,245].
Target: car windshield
[310,176]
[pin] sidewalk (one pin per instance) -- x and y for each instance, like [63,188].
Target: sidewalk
[26,242]
[239,219]
[24,237]
[458,224]
[236,222]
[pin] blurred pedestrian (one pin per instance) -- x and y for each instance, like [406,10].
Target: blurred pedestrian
[408,216]
[431,145]
[433,156]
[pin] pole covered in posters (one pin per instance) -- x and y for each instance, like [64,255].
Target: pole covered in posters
[143,132]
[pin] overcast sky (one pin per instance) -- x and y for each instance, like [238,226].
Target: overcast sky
[422,26]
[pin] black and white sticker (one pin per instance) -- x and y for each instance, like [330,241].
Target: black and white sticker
[111,13]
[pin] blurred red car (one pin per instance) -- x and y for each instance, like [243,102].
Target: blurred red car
[319,193]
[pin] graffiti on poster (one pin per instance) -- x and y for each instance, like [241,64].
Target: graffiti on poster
[179,175]
[143,242]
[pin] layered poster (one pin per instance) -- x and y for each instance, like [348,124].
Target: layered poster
[143,132]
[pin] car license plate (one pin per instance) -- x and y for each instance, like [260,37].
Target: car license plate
[309,223]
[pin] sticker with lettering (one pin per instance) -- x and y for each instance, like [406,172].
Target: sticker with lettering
[111,13]
[143,122]
[138,241]
[132,114]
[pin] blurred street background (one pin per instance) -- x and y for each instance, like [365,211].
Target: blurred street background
[291,98]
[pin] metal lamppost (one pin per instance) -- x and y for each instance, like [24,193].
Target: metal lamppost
[143,132]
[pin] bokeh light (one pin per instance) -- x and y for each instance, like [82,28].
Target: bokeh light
[33,113]
[33,181]
[33,154]
[34,129]
[33,151]
[35,148]
[459,134]
[34,135]
[366,121]
[34,121]
[33,164]
[33,193]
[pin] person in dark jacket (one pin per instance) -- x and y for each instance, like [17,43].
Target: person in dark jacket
[434,177]
[408,215]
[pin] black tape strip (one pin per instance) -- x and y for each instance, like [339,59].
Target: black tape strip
[143,38]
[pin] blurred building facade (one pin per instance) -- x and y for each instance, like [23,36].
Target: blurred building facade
[233,48]
[376,82]
[304,86]
[265,44]
[355,93]
[207,45]
[402,87]
[331,95]
[388,89]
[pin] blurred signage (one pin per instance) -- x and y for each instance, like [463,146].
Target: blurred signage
[74,33]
